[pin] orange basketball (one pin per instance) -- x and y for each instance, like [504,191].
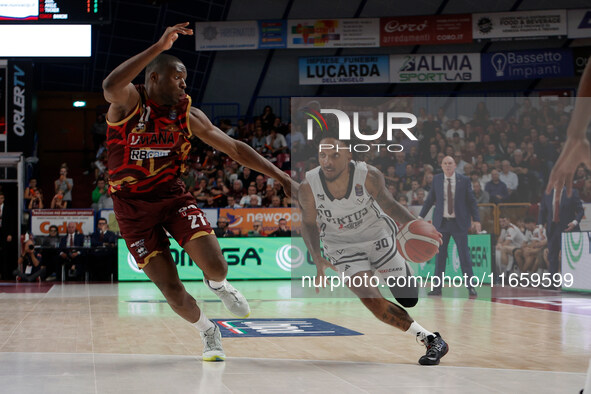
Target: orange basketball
[418,241]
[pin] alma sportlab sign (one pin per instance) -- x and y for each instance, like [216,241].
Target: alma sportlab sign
[435,68]
[242,328]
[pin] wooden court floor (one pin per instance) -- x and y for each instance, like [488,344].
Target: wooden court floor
[71,337]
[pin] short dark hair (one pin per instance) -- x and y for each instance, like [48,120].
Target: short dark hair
[160,63]
[529,219]
[53,227]
[102,219]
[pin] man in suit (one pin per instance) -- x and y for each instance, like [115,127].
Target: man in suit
[559,213]
[103,259]
[455,206]
[103,236]
[70,246]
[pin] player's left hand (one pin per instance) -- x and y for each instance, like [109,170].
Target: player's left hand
[321,266]
[570,227]
[574,152]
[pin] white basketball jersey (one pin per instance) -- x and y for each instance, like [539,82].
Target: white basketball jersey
[355,218]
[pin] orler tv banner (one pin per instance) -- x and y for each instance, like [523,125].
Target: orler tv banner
[19,118]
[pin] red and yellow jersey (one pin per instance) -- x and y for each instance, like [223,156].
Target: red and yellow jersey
[148,149]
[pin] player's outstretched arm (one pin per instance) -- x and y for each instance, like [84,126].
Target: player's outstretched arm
[311,234]
[576,149]
[202,127]
[376,186]
[117,87]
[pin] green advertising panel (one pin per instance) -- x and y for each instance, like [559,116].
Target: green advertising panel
[274,258]
[248,258]
[480,252]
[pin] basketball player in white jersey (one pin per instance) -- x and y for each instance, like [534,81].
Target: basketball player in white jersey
[346,205]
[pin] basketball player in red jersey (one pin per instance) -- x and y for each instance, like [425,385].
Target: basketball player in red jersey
[148,140]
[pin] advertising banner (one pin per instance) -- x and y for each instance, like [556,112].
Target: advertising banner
[425,68]
[248,258]
[3,74]
[41,219]
[333,33]
[480,253]
[425,30]
[532,64]
[109,216]
[272,34]
[585,224]
[215,36]
[581,56]
[522,24]
[576,260]
[343,70]
[579,23]
[20,132]
[242,219]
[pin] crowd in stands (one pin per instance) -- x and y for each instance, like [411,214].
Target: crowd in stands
[508,159]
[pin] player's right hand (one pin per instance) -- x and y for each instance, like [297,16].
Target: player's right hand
[574,152]
[172,33]
[321,265]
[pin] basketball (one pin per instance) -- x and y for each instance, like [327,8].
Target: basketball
[418,241]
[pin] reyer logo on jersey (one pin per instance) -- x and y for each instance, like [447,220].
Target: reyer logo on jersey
[163,139]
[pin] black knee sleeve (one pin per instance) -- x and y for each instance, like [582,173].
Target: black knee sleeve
[407,302]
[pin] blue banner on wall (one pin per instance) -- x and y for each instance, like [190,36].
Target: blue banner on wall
[272,34]
[324,70]
[533,64]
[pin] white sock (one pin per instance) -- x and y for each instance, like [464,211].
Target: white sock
[416,330]
[216,285]
[203,324]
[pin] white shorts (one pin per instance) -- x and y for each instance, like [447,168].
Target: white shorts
[380,257]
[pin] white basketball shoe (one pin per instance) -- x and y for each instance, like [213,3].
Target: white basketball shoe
[212,344]
[233,300]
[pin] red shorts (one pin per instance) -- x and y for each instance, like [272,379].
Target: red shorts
[143,223]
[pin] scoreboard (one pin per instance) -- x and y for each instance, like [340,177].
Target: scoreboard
[54,11]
